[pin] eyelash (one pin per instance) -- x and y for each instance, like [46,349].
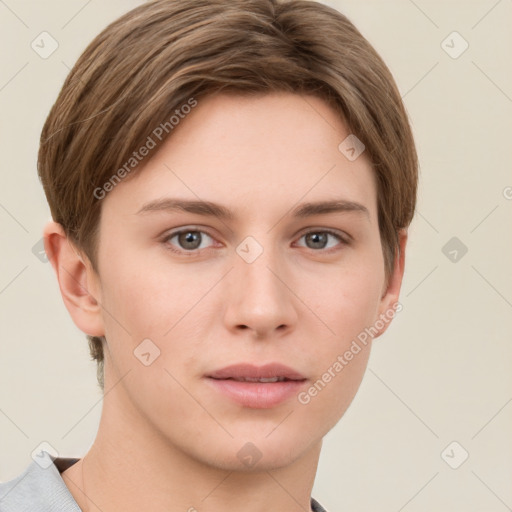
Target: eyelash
[344,240]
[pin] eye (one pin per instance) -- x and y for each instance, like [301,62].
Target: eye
[193,240]
[319,239]
[188,240]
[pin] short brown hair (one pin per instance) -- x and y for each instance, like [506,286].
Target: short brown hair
[154,59]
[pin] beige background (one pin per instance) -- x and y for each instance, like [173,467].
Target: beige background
[441,373]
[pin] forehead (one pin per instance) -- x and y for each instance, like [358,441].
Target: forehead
[253,150]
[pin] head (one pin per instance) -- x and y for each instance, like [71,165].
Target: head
[260,107]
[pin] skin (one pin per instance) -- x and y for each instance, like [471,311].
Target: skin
[165,435]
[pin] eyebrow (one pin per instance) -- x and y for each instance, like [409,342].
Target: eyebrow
[208,208]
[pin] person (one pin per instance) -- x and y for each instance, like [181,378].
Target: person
[231,184]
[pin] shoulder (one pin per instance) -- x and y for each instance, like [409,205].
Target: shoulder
[316,507]
[39,488]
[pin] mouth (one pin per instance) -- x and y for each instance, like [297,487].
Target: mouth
[271,372]
[257,387]
[256,379]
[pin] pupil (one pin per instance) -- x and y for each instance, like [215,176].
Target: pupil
[319,240]
[190,240]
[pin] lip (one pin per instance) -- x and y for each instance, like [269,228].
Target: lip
[257,395]
[266,371]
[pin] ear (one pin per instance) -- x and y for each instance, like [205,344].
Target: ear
[78,282]
[389,304]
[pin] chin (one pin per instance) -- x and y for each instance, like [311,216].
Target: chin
[252,455]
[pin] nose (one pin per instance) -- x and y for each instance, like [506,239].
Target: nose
[260,298]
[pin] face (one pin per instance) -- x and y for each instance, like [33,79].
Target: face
[280,275]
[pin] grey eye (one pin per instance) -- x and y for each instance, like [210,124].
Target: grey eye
[189,240]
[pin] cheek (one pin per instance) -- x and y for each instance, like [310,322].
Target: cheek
[346,305]
[339,360]
[150,300]
[346,300]
[146,296]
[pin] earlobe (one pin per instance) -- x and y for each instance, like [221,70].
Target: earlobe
[389,303]
[77,280]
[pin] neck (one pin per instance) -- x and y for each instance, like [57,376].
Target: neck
[129,467]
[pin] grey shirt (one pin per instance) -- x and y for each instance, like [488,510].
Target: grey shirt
[40,488]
